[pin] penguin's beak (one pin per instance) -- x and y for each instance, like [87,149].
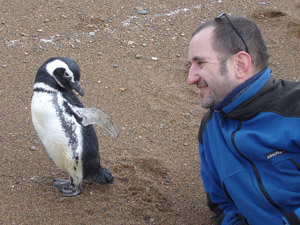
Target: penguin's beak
[77,87]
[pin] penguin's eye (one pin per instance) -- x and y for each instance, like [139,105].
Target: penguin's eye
[67,75]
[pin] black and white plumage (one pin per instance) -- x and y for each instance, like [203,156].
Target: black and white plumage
[65,127]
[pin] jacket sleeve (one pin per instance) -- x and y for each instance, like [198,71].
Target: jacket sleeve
[225,211]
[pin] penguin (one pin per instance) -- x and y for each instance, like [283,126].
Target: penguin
[65,126]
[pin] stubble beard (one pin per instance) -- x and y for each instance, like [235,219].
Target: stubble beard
[220,87]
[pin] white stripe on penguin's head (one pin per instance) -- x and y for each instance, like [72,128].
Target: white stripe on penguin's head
[52,66]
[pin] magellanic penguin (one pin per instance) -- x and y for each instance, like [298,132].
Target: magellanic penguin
[65,127]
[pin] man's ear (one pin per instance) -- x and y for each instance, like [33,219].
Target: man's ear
[243,63]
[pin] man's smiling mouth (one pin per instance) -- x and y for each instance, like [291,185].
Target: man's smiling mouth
[202,86]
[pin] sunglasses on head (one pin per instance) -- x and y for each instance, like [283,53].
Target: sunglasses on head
[235,29]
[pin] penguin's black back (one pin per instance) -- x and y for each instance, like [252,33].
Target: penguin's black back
[90,156]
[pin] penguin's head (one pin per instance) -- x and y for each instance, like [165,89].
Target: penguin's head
[65,72]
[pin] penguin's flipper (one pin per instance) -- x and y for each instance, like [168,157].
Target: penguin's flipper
[96,116]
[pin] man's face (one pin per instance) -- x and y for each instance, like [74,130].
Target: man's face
[211,76]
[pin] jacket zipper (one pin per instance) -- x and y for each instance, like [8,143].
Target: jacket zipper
[222,114]
[295,164]
[257,175]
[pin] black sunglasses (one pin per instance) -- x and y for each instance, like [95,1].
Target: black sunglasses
[235,29]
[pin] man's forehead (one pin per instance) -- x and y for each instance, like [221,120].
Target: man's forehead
[200,45]
[204,35]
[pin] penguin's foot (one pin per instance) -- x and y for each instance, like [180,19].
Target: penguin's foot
[60,183]
[105,176]
[67,188]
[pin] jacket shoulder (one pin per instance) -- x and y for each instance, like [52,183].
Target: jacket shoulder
[287,101]
[278,96]
[207,117]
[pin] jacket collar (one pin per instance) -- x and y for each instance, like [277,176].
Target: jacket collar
[243,92]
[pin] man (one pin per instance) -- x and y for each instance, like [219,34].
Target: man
[249,140]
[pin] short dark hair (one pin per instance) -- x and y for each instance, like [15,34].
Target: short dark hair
[227,43]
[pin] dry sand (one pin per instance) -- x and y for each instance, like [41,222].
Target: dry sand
[134,68]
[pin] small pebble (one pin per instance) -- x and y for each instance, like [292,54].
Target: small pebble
[143,12]
[24,35]
[115,66]
[154,58]
[144,45]
[130,42]
[92,34]
[138,56]
[90,26]
[32,148]
[4,65]
[33,179]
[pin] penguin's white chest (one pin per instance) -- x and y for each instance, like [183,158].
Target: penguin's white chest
[58,131]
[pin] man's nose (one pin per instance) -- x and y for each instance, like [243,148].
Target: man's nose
[193,76]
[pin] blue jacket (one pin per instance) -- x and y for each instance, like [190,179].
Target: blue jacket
[250,153]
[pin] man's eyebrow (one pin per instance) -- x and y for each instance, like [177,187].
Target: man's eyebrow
[198,58]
